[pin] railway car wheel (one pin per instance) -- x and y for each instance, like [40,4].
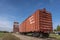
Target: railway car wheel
[25,33]
[41,35]
[46,35]
[35,34]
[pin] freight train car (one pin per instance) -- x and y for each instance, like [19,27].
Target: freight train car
[16,27]
[39,24]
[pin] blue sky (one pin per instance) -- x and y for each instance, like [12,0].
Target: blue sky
[19,10]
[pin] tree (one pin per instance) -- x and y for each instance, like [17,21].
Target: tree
[55,30]
[58,28]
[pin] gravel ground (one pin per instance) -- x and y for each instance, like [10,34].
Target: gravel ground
[24,37]
[0,38]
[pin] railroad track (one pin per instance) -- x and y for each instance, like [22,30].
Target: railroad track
[24,37]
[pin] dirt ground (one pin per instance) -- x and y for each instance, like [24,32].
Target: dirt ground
[24,37]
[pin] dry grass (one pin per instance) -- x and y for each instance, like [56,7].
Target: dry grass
[2,34]
[55,36]
[9,37]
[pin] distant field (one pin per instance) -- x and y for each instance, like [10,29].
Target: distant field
[8,36]
[55,36]
[2,34]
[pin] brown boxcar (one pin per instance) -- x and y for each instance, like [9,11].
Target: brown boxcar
[16,27]
[39,24]
[22,27]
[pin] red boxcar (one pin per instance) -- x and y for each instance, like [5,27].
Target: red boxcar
[39,23]
[16,27]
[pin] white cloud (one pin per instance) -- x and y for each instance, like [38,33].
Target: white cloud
[6,23]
